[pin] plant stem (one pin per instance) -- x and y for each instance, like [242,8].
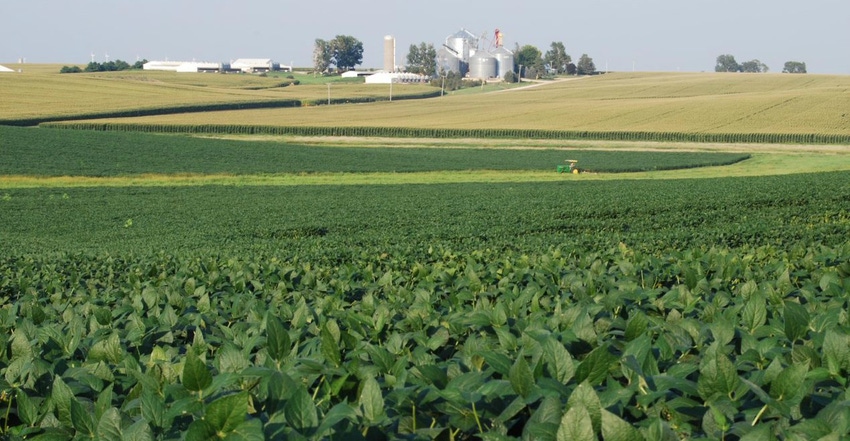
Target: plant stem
[477,420]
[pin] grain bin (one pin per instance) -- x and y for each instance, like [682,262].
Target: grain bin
[482,65]
[448,61]
[504,61]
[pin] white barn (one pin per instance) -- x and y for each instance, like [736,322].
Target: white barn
[186,66]
[396,77]
[250,65]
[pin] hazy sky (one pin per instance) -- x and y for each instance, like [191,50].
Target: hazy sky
[645,35]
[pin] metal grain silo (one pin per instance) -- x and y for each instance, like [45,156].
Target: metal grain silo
[461,43]
[448,61]
[482,65]
[504,61]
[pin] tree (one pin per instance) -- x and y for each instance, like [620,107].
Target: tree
[754,66]
[557,58]
[422,59]
[140,64]
[531,60]
[585,65]
[794,67]
[322,56]
[347,52]
[726,63]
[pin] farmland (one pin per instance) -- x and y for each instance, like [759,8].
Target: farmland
[680,103]
[215,285]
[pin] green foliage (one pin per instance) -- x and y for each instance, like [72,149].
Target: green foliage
[557,58]
[726,63]
[347,52]
[796,67]
[585,65]
[422,59]
[46,152]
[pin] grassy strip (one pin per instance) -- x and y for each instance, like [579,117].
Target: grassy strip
[418,132]
[758,165]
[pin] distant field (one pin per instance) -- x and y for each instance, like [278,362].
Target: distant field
[41,91]
[642,102]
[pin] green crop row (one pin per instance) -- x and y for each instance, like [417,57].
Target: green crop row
[207,107]
[411,132]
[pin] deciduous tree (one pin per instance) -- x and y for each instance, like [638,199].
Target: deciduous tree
[422,59]
[531,60]
[754,66]
[794,67]
[557,58]
[347,52]
[726,63]
[585,65]
[322,56]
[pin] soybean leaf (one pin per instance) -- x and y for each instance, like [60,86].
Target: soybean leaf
[81,419]
[27,410]
[61,396]
[250,430]
[615,429]
[594,368]
[227,412]
[789,385]
[278,340]
[585,397]
[558,360]
[196,376]
[521,377]
[153,408]
[141,431]
[754,313]
[340,412]
[109,426]
[200,430]
[300,411]
[718,376]
[796,320]
[836,351]
[330,343]
[371,400]
[576,426]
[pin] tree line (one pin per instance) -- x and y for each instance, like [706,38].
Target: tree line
[727,63]
[109,66]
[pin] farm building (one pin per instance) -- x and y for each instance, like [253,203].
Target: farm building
[242,65]
[186,66]
[251,65]
[5,69]
[396,77]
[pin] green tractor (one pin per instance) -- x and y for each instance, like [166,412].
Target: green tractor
[570,167]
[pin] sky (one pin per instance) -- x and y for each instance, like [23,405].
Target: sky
[619,35]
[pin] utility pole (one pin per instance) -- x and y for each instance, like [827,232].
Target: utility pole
[329,94]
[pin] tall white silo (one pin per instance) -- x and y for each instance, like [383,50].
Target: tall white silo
[389,53]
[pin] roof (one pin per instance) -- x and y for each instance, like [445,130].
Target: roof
[248,62]
[6,69]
